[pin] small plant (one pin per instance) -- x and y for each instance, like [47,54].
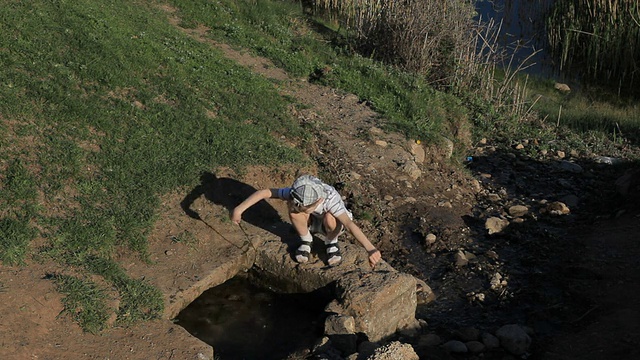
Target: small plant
[185,237]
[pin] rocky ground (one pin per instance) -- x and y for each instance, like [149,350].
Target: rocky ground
[515,235]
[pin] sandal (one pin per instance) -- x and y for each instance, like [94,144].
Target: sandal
[333,253]
[304,252]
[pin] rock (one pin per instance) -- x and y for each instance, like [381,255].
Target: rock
[341,330]
[378,314]
[562,87]
[339,324]
[571,200]
[496,281]
[424,294]
[429,340]
[448,147]
[455,346]
[518,210]
[628,183]
[411,168]
[468,334]
[376,131]
[514,339]
[490,341]
[475,347]
[495,225]
[430,239]
[381,143]
[417,151]
[394,351]
[569,166]
[460,259]
[558,208]
[606,160]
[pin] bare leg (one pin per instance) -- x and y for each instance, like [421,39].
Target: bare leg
[333,228]
[300,223]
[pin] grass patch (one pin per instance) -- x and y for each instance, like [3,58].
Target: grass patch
[84,301]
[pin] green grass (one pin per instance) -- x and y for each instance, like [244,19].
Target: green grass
[596,116]
[105,107]
[84,301]
[280,31]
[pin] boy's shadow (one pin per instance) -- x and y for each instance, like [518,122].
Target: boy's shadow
[230,193]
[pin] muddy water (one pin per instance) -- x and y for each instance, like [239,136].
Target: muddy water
[243,321]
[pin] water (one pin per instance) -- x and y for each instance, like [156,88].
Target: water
[243,321]
[523,33]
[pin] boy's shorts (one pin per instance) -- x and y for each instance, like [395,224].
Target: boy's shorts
[316,224]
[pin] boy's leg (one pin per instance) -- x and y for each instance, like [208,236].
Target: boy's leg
[300,223]
[333,228]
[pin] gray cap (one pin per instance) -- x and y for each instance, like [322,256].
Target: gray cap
[306,190]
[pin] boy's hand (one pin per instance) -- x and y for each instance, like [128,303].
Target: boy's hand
[374,257]
[236,216]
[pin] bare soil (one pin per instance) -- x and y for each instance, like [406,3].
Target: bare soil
[573,279]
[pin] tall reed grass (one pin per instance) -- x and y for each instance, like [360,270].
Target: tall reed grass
[599,38]
[419,36]
[439,40]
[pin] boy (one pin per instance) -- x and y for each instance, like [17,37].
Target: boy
[317,207]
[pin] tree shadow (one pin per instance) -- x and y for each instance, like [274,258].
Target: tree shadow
[229,193]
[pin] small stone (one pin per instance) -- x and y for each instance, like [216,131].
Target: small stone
[168,252]
[381,143]
[455,346]
[514,339]
[492,255]
[429,340]
[558,208]
[468,334]
[495,225]
[430,239]
[518,210]
[460,259]
[475,347]
[490,341]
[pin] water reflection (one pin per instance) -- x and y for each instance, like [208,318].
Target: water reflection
[522,32]
[243,321]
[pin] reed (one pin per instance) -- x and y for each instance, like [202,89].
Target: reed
[419,36]
[599,38]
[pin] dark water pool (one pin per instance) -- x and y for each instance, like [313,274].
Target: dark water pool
[244,321]
[523,33]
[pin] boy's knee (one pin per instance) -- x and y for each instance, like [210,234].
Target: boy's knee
[330,222]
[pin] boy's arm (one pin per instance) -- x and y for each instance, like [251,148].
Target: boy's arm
[354,229]
[236,214]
